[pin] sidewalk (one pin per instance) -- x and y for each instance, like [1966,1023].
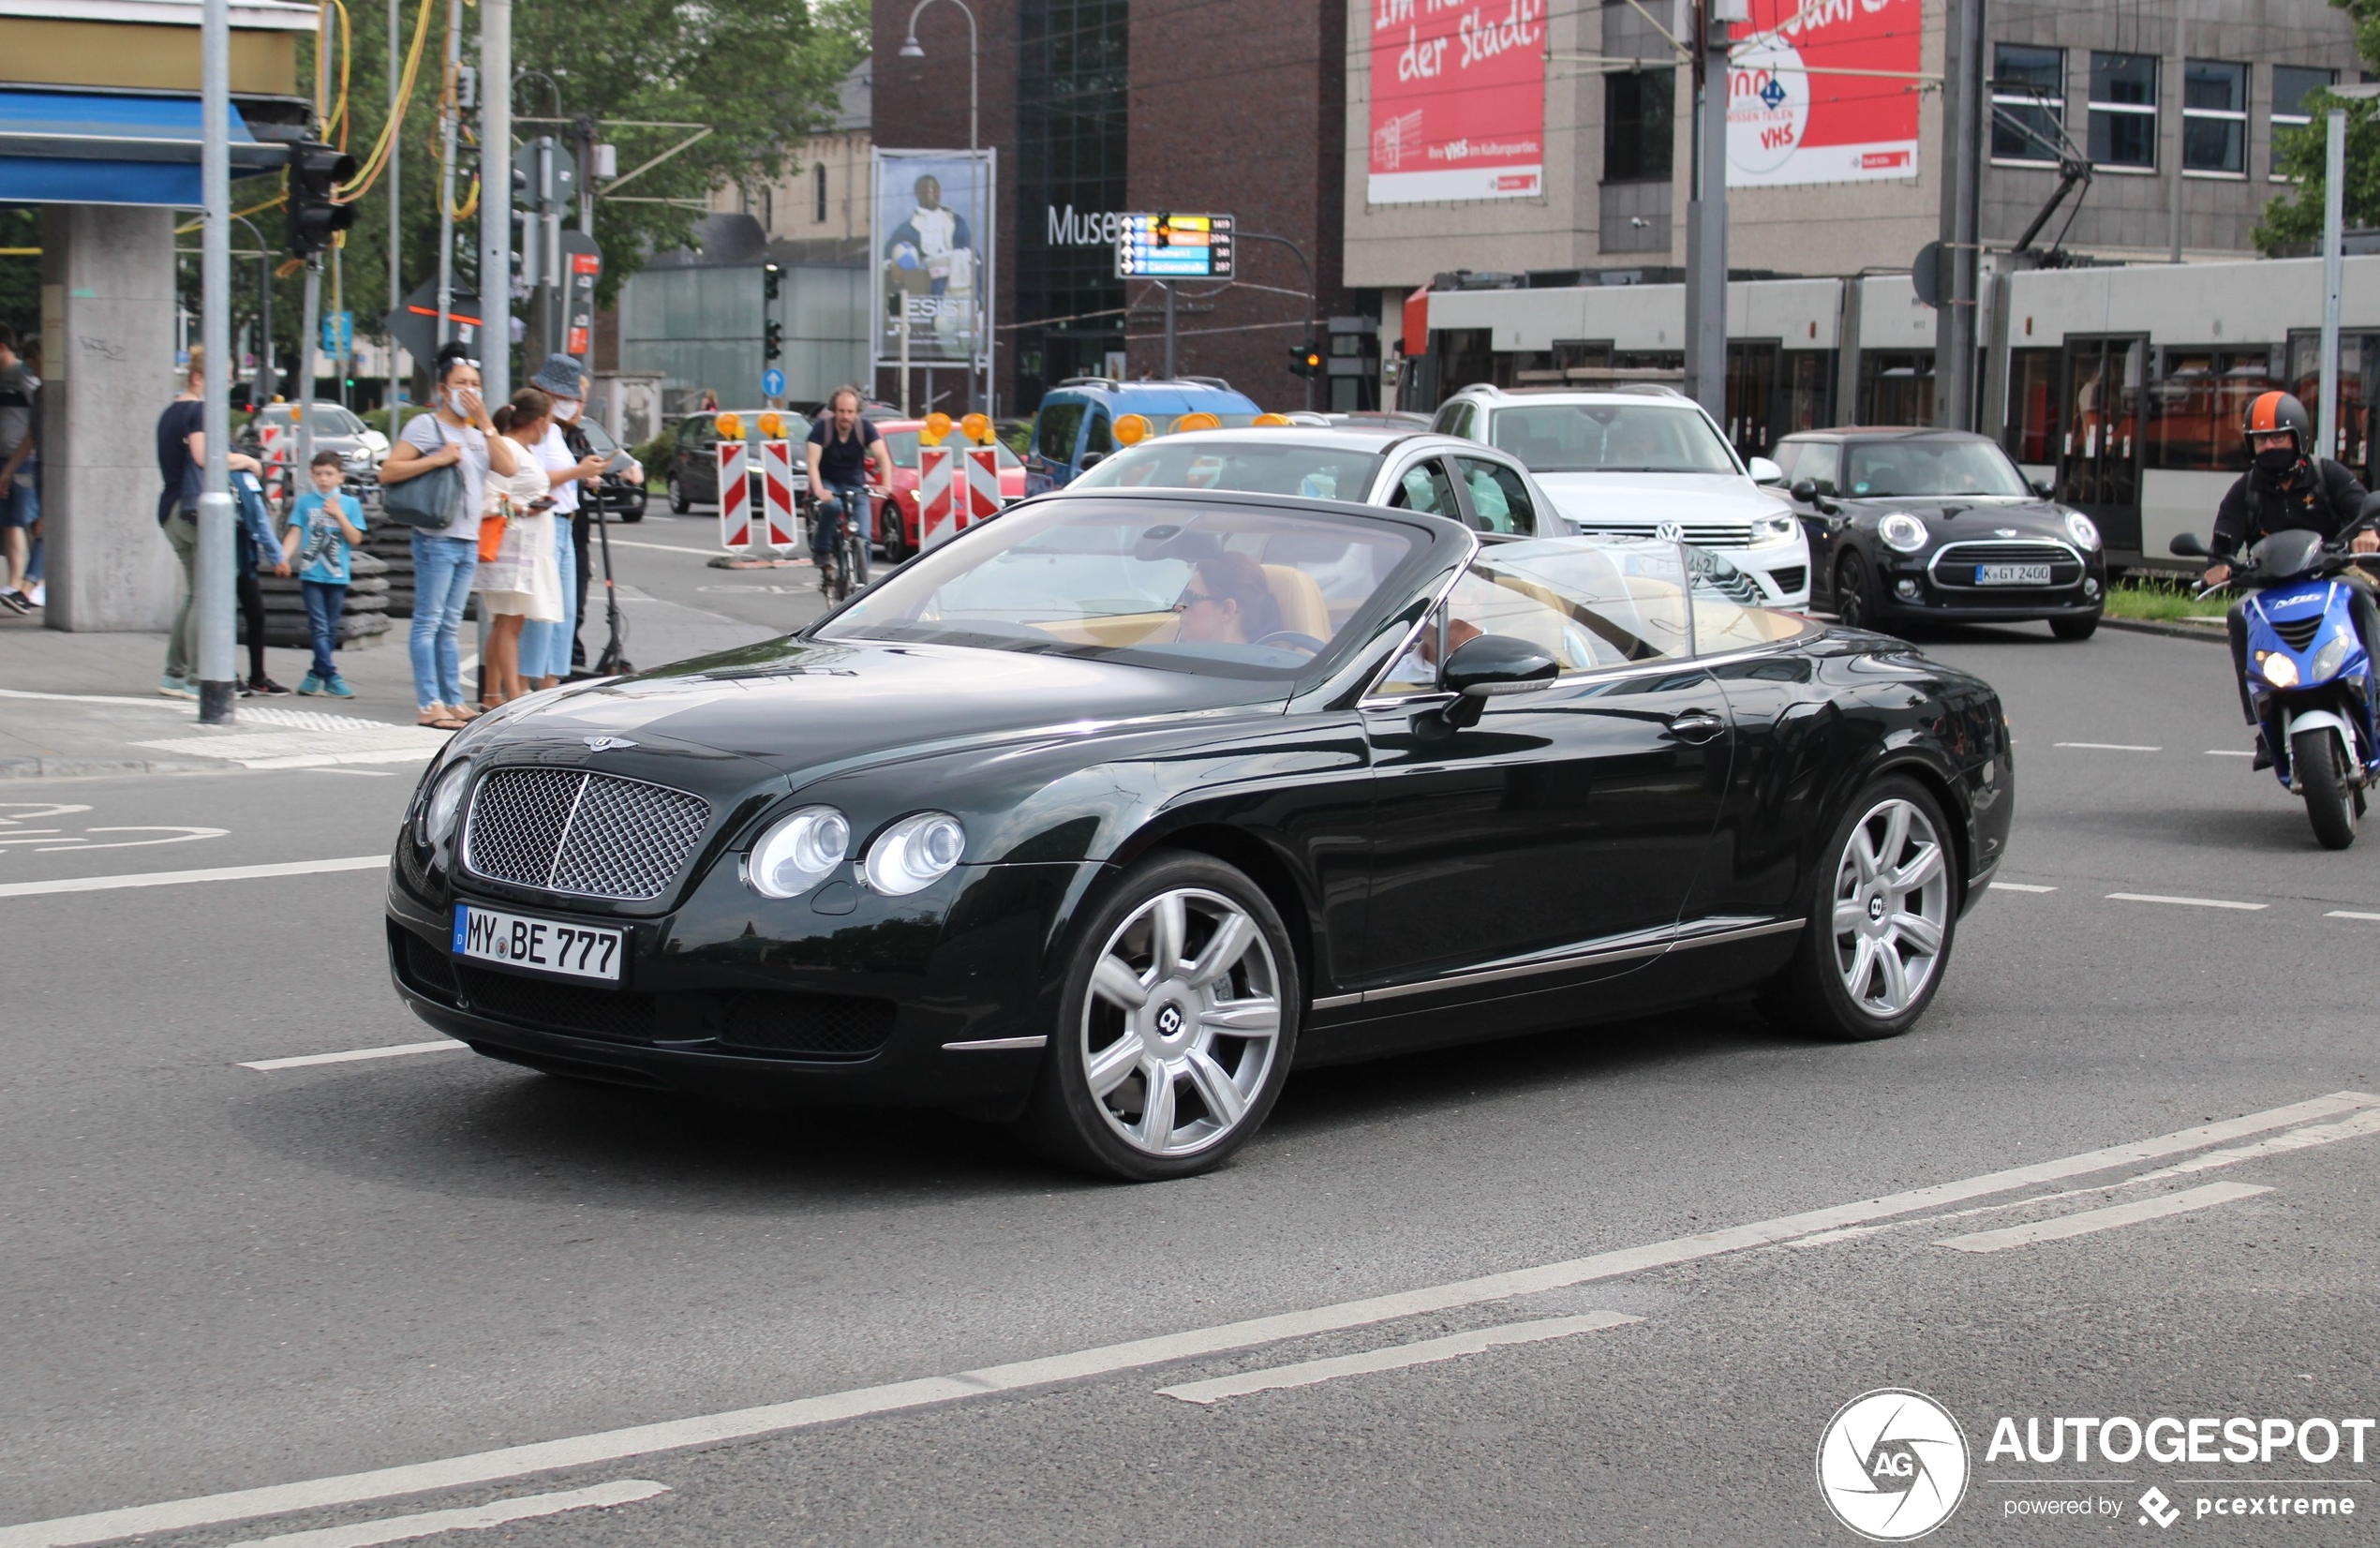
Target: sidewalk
[74,704]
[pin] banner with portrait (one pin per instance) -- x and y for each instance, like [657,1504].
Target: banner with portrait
[932,242]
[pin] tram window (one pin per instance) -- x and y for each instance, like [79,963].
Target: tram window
[2032,406]
[2123,110]
[2028,102]
[2358,390]
[1895,387]
[2196,403]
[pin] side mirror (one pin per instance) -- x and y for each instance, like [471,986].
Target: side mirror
[1765,471]
[1091,460]
[1487,666]
[2046,490]
[2189,546]
[1805,492]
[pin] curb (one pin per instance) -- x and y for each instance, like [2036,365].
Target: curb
[2171,631]
[81,769]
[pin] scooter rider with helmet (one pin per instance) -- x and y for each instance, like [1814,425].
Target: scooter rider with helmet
[2283,490]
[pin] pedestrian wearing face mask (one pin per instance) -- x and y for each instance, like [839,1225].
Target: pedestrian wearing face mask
[572,471]
[445,558]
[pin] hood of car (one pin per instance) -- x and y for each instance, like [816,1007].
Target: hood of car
[1972,516]
[1682,497]
[802,708]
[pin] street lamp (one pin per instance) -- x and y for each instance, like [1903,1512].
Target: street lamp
[910,49]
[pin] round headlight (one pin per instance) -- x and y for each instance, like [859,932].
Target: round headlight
[446,799]
[797,852]
[2083,530]
[1902,532]
[2279,670]
[915,853]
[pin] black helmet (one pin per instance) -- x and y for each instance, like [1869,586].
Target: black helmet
[2271,411]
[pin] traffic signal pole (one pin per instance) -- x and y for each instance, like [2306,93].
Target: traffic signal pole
[309,329]
[212,581]
[1169,285]
[496,199]
[1706,210]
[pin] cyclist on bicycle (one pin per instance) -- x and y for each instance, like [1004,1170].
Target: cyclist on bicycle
[843,447]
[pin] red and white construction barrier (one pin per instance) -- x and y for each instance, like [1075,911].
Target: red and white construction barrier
[940,495]
[735,497]
[279,440]
[777,491]
[981,501]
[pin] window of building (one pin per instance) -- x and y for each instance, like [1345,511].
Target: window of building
[2123,111]
[2028,102]
[2291,85]
[818,192]
[1636,126]
[1073,68]
[2214,117]
[2031,435]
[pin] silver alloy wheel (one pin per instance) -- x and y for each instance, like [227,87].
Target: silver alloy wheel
[1892,908]
[1181,1025]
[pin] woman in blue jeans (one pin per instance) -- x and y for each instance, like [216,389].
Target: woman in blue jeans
[459,434]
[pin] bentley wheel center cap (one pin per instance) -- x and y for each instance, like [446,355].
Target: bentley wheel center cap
[1876,908]
[1169,1022]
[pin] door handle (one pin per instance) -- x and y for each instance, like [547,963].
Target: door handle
[1695,727]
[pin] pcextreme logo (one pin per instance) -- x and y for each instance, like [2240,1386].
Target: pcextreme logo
[1891,1464]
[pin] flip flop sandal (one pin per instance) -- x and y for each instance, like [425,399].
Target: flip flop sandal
[439,723]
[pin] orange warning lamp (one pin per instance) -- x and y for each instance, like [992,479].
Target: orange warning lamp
[1200,420]
[1272,420]
[1132,429]
[730,427]
[977,428]
[937,428]
[772,426]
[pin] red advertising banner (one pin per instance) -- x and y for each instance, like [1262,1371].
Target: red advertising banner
[1458,100]
[1823,90]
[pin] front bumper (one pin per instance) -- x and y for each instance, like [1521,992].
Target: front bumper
[1910,589]
[1782,569]
[732,995]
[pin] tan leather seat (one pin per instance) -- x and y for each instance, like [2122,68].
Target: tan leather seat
[1299,597]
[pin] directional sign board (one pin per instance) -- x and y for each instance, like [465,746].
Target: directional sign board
[1173,246]
[772,382]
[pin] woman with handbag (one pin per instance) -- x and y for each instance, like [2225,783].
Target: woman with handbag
[435,480]
[520,573]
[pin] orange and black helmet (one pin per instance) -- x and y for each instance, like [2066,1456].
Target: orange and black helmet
[2271,411]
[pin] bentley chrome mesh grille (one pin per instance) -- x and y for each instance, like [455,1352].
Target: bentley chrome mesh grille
[595,835]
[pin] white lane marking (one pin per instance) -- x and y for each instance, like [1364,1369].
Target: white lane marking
[2349,914]
[180,836]
[369,1534]
[456,1472]
[175,878]
[1396,1357]
[666,548]
[395,1050]
[2353,1128]
[2101,1220]
[2109,747]
[367,773]
[2020,887]
[2181,903]
[2229,753]
[181,705]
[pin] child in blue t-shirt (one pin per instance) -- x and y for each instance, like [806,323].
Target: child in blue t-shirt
[323,524]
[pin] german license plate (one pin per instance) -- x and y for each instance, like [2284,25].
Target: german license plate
[541,946]
[2012,575]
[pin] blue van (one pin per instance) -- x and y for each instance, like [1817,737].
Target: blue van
[1075,426]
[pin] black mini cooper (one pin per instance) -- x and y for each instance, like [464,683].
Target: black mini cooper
[1911,526]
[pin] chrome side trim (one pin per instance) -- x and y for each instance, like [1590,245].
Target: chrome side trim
[1701,932]
[990,1045]
[1336,1002]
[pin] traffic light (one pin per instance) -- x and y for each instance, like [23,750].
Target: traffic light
[1305,360]
[771,279]
[772,340]
[316,171]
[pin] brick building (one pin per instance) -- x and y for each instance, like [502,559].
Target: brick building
[1099,107]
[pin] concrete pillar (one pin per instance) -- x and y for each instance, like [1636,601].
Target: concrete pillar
[107,372]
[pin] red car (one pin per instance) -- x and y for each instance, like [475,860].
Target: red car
[901,438]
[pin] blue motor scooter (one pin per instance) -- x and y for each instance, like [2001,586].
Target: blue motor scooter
[2309,680]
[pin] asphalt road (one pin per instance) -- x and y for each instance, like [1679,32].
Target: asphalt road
[218,1278]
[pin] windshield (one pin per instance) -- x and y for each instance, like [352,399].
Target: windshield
[1879,469]
[902,445]
[328,419]
[1263,466]
[1612,438]
[1229,592]
[597,435]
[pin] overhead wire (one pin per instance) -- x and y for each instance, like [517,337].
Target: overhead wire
[377,160]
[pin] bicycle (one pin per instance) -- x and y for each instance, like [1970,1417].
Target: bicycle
[846,557]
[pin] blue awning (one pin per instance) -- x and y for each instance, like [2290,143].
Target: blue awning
[109,148]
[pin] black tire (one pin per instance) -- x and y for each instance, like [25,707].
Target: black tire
[896,543]
[1812,994]
[678,504]
[2332,804]
[1070,1122]
[1855,593]
[2074,628]
[634,514]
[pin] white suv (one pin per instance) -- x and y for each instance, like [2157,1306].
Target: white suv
[1647,461]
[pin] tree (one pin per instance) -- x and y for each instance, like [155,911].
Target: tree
[2301,155]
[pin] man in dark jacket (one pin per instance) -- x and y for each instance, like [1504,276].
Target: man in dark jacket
[2286,490]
